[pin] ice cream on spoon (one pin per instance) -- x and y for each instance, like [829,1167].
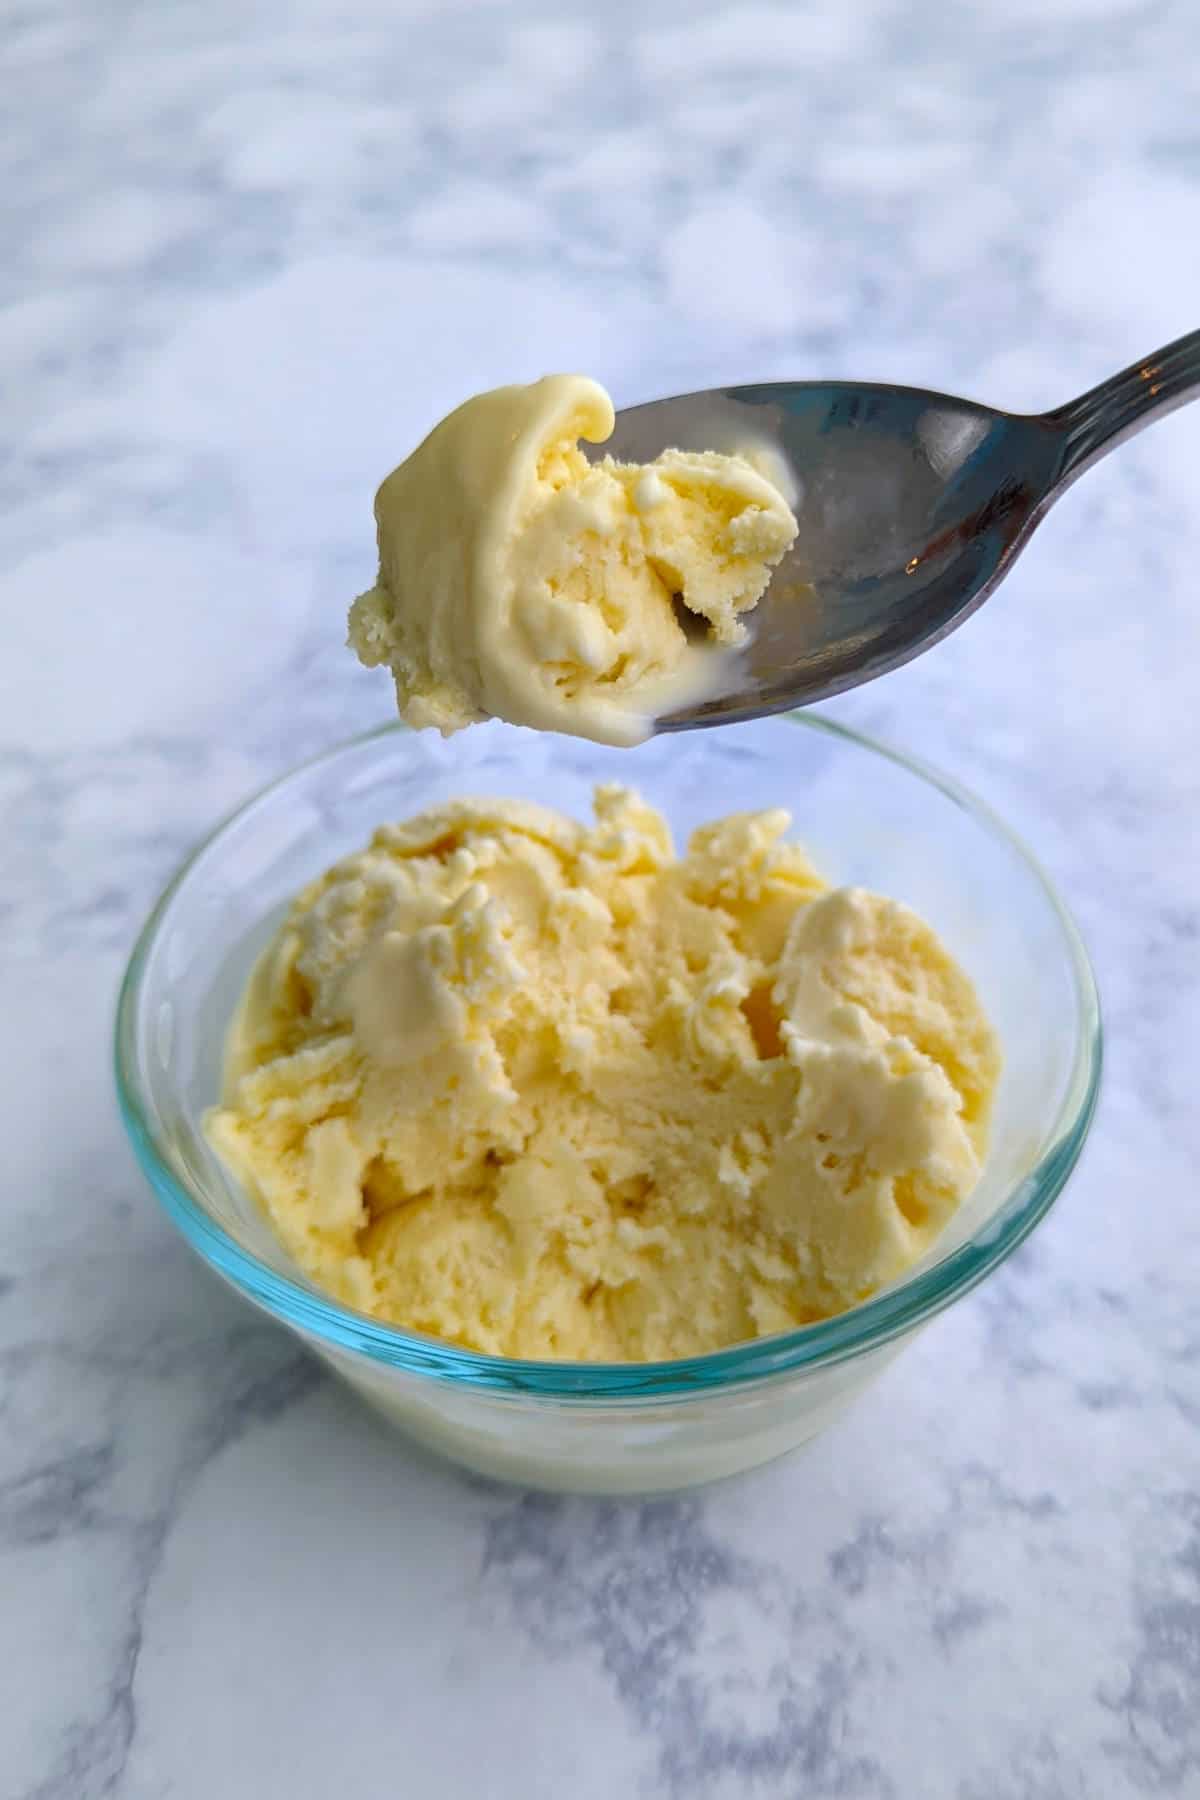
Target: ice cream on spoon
[520,581]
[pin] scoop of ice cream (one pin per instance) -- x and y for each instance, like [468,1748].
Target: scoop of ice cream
[517,580]
[548,1090]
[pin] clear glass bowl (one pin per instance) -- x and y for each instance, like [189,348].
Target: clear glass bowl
[868,816]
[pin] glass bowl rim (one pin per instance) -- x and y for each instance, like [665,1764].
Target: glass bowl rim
[875,1322]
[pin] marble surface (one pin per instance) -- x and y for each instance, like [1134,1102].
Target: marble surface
[251,252]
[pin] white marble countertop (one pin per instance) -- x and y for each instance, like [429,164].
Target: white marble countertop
[250,254]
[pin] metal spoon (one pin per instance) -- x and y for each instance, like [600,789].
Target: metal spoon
[912,507]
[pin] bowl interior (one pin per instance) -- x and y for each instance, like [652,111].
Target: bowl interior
[866,816]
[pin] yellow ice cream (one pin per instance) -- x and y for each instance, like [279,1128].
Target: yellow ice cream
[519,581]
[553,1091]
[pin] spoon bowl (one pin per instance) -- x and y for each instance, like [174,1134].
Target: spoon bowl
[911,506]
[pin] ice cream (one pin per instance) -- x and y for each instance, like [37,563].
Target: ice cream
[550,1090]
[519,581]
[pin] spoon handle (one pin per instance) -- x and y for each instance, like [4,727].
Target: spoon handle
[1104,416]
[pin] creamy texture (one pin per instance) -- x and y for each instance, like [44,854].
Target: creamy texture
[552,1091]
[519,581]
